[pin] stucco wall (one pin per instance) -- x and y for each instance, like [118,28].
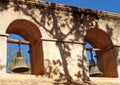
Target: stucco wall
[67,59]
[57,25]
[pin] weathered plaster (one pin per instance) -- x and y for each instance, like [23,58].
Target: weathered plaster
[60,22]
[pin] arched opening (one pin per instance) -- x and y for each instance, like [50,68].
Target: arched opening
[92,61]
[30,32]
[106,58]
[12,50]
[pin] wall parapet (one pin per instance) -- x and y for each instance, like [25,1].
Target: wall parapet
[105,81]
[62,7]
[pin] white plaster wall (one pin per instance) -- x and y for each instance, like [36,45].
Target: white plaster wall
[65,22]
[3,58]
[50,49]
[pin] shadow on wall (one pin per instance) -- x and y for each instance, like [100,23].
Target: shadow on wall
[2,66]
[3,5]
[58,21]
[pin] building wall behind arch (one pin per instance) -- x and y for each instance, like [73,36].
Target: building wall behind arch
[56,25]
[64,58]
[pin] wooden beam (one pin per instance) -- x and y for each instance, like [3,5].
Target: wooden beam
[64,41]
[4,35]
[28,42]
[93,49]
[17,41]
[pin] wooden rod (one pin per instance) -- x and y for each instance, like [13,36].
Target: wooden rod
[116,46]
[17,41]
[74,42]
[28,42]
[4,35]
[93,49]
[97,49]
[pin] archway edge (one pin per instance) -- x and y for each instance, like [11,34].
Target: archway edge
[98,38]
[25,29]
[29,31]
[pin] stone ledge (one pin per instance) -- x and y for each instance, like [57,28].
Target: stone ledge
[19,79]
[105,81]
[16,79]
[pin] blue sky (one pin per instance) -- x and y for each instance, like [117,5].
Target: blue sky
[104,5]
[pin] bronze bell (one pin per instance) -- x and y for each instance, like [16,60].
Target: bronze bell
[19,65]
[94,70]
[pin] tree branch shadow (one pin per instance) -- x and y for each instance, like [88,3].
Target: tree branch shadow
[80,24]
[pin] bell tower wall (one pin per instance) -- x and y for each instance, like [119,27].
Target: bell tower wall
[57,36]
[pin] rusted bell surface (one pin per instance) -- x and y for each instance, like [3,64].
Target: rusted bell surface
[94,70]
[19,64]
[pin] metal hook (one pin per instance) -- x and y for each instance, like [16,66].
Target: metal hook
[91,54]
[19,42]
[19,51]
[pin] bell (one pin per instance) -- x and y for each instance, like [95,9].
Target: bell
[94,70]
[19,65]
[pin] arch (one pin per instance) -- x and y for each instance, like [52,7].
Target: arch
[106,58]
[30,32]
